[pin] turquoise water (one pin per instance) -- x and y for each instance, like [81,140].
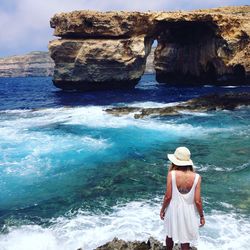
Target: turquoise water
[73,176]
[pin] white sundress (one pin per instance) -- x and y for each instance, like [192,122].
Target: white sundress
[181,217]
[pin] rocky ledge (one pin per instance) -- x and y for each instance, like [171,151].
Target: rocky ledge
[101,50]
[151,244]
[36,63]
[228,101]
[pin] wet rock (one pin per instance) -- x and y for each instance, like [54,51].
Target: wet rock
[151,244]
[228,101]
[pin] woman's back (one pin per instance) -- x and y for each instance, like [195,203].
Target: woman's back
[184,180]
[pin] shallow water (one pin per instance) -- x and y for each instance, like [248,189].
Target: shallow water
[73,176]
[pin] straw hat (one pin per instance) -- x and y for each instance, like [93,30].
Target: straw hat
[181,157]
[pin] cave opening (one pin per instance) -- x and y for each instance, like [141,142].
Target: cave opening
[186,52]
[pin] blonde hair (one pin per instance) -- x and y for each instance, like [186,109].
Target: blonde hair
[183,168]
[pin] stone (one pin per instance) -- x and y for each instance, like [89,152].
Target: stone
[103,50]
[36,63]
[117,244]
[39,63]
[99,63]
[204,46]
[151,244]
[228,101]
[96,24]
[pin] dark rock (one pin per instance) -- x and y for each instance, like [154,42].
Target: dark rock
[151,244]
[117,244]
[228,101]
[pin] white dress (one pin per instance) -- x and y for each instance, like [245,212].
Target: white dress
[181,217]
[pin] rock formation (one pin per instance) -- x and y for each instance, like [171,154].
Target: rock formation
[151,244]
[40,64]
[100,50]
[32,64]
[228,101]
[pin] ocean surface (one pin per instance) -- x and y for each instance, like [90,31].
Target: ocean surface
[73,176]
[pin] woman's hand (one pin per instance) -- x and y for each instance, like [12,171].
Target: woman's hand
[162,214]
[202,221]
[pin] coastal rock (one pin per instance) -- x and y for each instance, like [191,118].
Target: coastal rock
[41,64]
[32,64]
[204,46]
[96,24]
[99,63]
[100,50]
[228,101]
[151,244]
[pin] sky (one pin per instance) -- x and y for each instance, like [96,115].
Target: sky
[24,24]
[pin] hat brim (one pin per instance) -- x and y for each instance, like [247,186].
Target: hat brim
[177,162]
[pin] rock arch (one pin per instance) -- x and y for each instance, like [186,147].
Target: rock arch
[101,50]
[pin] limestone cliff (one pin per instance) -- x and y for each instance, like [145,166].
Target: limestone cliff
[204,46]
[41,64]
[32,64]
[100,50]
[99,63]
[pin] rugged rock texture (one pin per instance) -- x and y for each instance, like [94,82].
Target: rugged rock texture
[41,64]
[100,50]
[99,63]
[151,244]
[205,46]
[95,24]
[33,64]
[212,102]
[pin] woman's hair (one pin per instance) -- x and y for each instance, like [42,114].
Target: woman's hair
[183,168]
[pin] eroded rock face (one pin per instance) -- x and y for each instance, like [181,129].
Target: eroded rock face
[100,50]
[209,46]
[151,244]
[99,63]
[95,24]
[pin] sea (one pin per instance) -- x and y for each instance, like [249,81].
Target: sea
[73,176]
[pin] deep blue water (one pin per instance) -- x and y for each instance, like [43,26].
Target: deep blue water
[15,93]
[71,173]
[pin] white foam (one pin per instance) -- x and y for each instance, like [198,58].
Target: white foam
[153,104]
[92,116]
[134,221]
[233,168]
[34,147]
[229,87]
[195,113]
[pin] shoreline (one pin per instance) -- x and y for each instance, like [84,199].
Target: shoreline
[150,244]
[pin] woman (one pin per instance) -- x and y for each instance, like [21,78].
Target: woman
[182,201]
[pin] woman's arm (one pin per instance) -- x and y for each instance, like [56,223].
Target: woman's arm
[198,202]
[167,196]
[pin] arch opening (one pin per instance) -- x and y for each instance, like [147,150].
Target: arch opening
[187,52]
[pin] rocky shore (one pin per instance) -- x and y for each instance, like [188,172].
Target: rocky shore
[228,101]
[151,244]
[107,50]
